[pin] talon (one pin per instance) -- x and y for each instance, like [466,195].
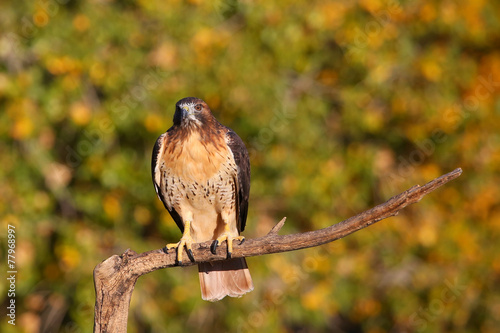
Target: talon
[189,251]
[190,255]
[185,240]
[213,247]
[226,237]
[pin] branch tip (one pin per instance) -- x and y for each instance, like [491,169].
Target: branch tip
[277,227]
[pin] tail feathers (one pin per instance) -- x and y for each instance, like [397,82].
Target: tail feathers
[219,279]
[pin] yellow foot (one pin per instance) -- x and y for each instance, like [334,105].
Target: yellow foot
[187,241]
[229,239]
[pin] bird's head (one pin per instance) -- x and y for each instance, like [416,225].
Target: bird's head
[191,111]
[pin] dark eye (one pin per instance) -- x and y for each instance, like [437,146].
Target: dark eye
[198,107]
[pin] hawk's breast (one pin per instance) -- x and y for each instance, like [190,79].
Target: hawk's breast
[199,180]
[196,159]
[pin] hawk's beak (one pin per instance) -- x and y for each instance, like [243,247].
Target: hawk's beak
[185,111]
[184,115]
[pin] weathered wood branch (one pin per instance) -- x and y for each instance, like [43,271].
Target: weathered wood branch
[116,276]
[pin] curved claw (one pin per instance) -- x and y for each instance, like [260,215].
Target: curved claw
[229,239]
[185,241]
[213,247]
[190,255]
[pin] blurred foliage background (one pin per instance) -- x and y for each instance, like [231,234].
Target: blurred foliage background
[342,104]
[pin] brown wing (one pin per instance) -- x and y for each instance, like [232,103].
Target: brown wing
[242,160]
[156,160]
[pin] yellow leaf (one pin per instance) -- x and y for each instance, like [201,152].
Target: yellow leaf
[428,12]
[431,70]
[40,18]
[97,72]
[427,234]
[154,123]
[371,5]
[81,22]
[312,300]
[70,257]
[80,113]
[142,215]
[317,298]
[23,128]
[112,206]
[430,171]
[332,13]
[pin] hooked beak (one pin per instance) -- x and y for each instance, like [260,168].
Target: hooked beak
[185,111]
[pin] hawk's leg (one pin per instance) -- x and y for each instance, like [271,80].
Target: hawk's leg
[226,236]
[186,240]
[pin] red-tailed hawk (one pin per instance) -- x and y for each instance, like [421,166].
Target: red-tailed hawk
[201,173]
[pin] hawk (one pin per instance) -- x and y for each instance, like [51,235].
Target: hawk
[201,173]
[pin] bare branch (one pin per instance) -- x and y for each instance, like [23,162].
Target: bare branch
[115,277]
[277,227]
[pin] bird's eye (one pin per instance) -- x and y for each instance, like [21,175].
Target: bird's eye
[198,107]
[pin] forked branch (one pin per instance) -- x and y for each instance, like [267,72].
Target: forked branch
[115,277]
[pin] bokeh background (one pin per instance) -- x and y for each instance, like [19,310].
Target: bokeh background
[342,104]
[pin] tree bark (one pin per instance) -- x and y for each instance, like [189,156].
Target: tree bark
[115,277]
